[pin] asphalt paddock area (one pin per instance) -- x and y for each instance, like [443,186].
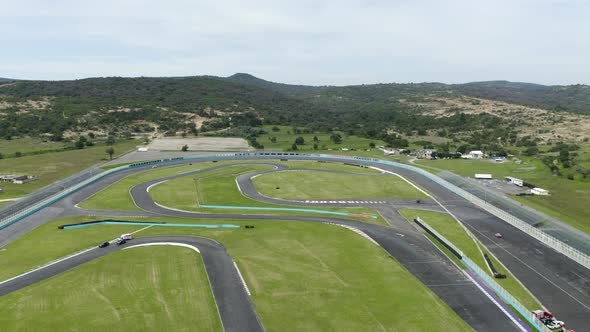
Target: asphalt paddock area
[200,144]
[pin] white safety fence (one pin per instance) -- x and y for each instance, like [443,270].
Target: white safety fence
[569,251]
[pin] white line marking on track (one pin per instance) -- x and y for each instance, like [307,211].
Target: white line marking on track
[139,230]
[48,265]
[242,279]
[164,244]
[153,185]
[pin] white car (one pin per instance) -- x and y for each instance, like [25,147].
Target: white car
[553,324]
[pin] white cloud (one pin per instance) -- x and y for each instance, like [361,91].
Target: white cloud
[312,42]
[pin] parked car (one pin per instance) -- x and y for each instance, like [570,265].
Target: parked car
[155,166]
[104,245]
[498,235]
[121,241]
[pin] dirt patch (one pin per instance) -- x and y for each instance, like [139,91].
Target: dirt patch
[200,144]
[549,126]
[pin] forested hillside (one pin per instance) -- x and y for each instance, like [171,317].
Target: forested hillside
[240,104]
[571,98]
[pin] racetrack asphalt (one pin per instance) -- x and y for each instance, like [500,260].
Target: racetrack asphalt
[560,284]
[233,303]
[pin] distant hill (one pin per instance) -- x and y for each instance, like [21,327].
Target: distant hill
[3,80]
[241,102]
[572,98]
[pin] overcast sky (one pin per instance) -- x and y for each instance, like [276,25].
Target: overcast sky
[303,42]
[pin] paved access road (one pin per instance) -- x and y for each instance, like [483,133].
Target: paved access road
[233,303]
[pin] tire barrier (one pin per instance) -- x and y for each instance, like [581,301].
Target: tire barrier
[496,274]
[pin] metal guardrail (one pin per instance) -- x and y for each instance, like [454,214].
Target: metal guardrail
[498,289]
[561,247]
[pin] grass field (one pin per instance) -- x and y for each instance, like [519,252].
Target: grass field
[285,139]
[559,204]
[322,185]
[303,276]
[27,144]
[450,229]
[51,167]
[468,167]
[180,193]
[218,187]
[140,289]
[117,195]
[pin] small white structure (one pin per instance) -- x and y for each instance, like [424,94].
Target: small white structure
[514,181]
[389,152]
[476,154]
[539,191]
[142,149]
[483,176]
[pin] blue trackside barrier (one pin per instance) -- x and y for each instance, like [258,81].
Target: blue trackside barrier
[142,223]
[280,209]
[503,293]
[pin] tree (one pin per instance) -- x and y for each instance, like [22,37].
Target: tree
[91,135]
[111,140]
[372,145]
[316,139]
[336,138]
[184,148]
[531,151]
[299,140]
[275,128]
[294,147]
[79,145]
[183,135]
[18,154]
[273,139]
[315,146]
[110,151]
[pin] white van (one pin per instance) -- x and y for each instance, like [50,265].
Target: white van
[126,236]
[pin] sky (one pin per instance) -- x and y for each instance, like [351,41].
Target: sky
[310,42]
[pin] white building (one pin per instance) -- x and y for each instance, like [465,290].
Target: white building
[17,179]
[539,191]
[514,181]
[425,154]
[388,152]
[476,154]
